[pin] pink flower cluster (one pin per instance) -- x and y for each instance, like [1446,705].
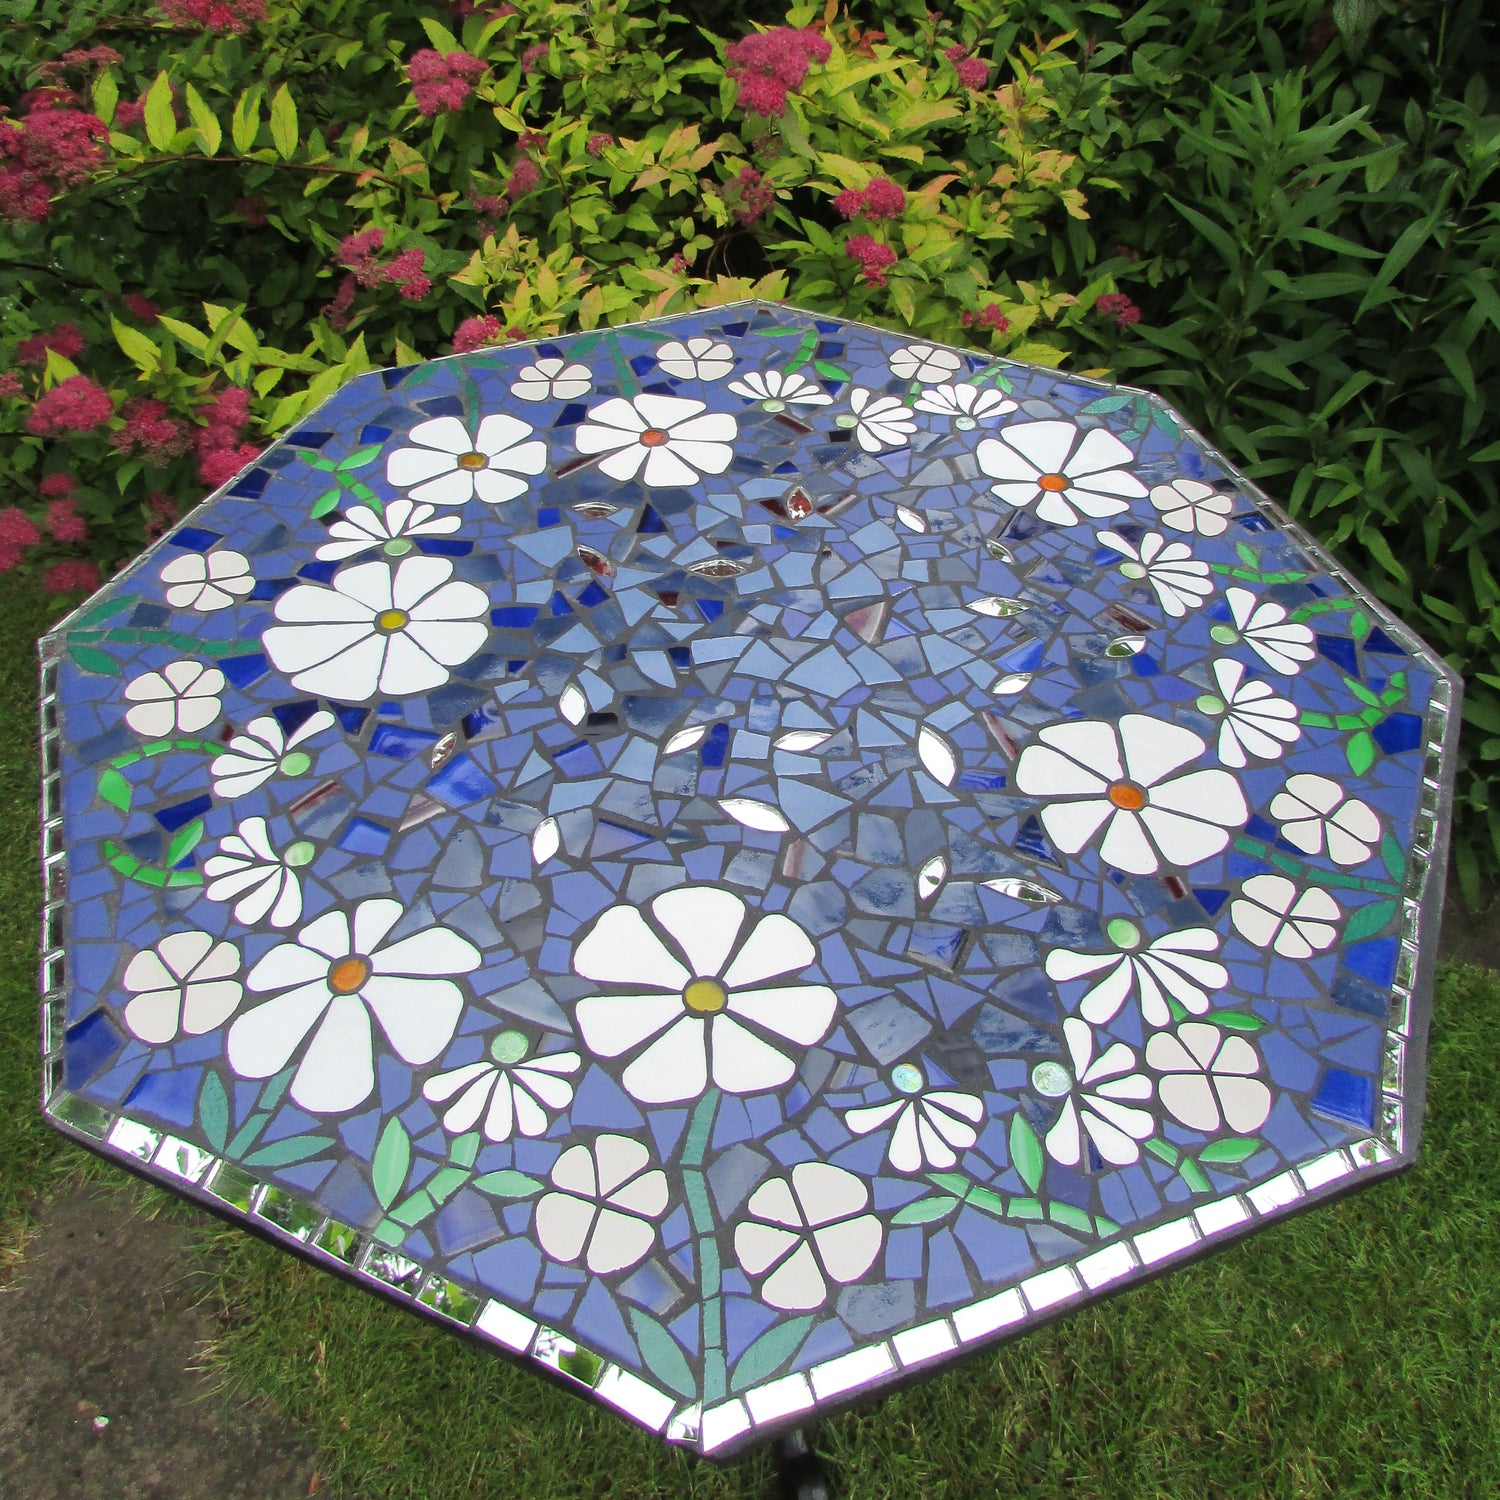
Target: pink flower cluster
[161,514]
[72,575]
[441,81]
[972,72]
[989,316]
[873,258]
[476,333]
[10,385]
[766,64]
[140,307]
[883,199]
[85,58]
[76,404]
[405,271]
[598,144]
[64,339]
[461,10]
[221,454]
[524,177]
[1119,306]
[63,520]
[751,196]
[531,58]
[214,15]
[40,155]
[149,431]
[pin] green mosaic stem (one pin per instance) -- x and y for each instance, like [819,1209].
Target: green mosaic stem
[628,383]
[1255,575]
[1302,871]
[1033,1210]
[1186,1165]
[125,635]
[700,1210]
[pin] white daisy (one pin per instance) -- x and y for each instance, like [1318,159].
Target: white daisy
[705,996]
[1256,721]
[925,362]
[1207,1078]
[262,883]
[807,1230]
[1119,777]
[263,750]
[330,983]
[1189,505]
[932,1126]
[1315,813]
[392,529]
[1286,646]
[182,986]
[447,466]
[968,405]
[552,380]
[1066,471]
[881,422]
[378,629]
[1181,583]
[698,359]
[662,439]
[1168,967]
[518,1094]
[606,1195]
[180,699]
[1271,913]
[776,391]
[1100,1097]
[206,581]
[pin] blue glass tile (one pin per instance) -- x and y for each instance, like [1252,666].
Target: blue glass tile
[1346,1097]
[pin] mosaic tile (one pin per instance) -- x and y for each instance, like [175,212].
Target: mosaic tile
[741,857]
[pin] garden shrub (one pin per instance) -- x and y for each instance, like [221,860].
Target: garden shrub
[1278,213]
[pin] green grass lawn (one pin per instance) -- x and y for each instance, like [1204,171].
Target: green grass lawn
[1350,1352]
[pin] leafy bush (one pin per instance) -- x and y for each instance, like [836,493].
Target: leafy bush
[1280,215]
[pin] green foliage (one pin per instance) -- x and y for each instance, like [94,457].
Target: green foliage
[1299,197]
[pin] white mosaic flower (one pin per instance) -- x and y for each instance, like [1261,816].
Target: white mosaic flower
[512,1095]
[1207,1078]
[606,1196]
[698,359]
[207,581]
[330,983]
[1286,646]
[447,465]
[185,986]
[392,530]
[180,699]
[1119,777]
[1181,582]
[1190,505]
[1256,721]
[1272,913]
[263,751]
[379,628]
[881,422]
[806,1231]
[707,1004]
[967,405]
[262,883]
[1316,813]
[663,440]
[552,380]
[1171,966]
[776,390]
[932,1125]
[1064,470]
[1100,1097]
[925,362]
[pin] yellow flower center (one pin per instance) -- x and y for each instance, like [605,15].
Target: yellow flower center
[705,996]
[472,461]
[348,974]
[391,619]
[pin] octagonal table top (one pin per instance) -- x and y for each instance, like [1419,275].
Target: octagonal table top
[741,857]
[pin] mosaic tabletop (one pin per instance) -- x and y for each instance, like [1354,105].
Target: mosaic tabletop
[740,857]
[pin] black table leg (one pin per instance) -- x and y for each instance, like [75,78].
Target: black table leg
[801,1471]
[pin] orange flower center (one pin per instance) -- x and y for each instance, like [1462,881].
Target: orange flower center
[472,460]
[348,974]
[653,437]
[1128,795]
[1053,482]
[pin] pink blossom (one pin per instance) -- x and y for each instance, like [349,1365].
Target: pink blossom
[989,316]
[17,529]
[64,338]
[58,485]
[77,404]
[753,196]
[1119,306]
[161,514]
[475,333]
[141,307]
[71,576]
[221,464]
[956,51]
[874,258]
[149,431]
[10,385]
[884,199]
[129,113]
[80,57]
[65,524]
[973,72]
[48,151]
[407,272]
[766,64]
[10,557]
[531,140]
[343,300]
[221,455]
[442,81]
[214,15]
[531,58]
[849,202]
[598,144]
[523,178]
[678,265]
[762,95]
